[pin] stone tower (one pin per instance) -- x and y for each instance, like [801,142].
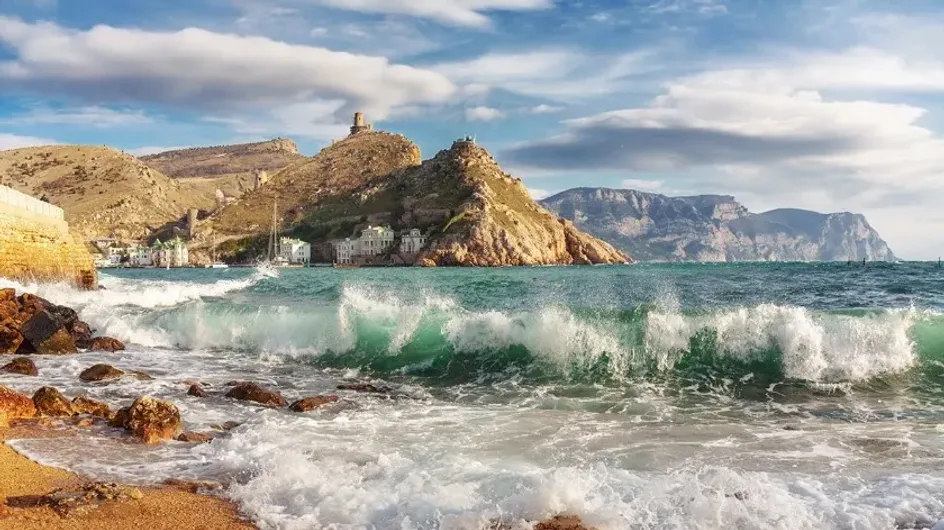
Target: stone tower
[262,178]
[360,125]
[192,215]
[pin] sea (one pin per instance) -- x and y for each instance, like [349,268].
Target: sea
[652,396]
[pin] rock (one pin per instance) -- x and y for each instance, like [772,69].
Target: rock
[47,335]
[50,402]
[142,376]
[81,334]
[7,294]
[107,344]
[309,404]
[20,365]
[193,486]
[194,437]
[101,372]
[83,499]
[252,392]
[14,406]
[149,419]
[366,388]
[196,391]
[10,340]
[84,405]
[84,422]
[227,426]
[562,522]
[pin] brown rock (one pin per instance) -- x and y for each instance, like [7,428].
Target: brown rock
[50,402]
[309,404]
[83,499]
[142,376]
[149,419]
[254,392]
[20,365]
[7,294]
[47,334]
[10,340]
[194,437]
[227,426]
[193,486]
[103,344]
[84,422]
[562,522]
[14,406]
[196,391]
[101,372]
[84,405]
[82,334]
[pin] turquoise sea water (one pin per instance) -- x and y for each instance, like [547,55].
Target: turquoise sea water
[649,396]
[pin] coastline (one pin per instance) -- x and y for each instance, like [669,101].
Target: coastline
[161,507]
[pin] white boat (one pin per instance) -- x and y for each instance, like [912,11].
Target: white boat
[216,264]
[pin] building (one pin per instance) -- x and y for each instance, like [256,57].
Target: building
[173,253]
[140,256]
[295,251]
[114,255]
[360,125]
[412,241]
[375,240]
[344,251]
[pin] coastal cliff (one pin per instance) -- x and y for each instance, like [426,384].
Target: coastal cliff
[37,246]
[716,228]
[472,212]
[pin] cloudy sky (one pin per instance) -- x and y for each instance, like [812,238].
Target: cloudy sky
[832,105]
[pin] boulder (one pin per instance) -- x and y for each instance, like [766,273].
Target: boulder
[196,391]
[10,339]
[101,372]
[194,437]
[142,376]
[20,365]
[7,294]
[14,406]
[81,500]
[102,344]
[46,333]
[84,405]
[226,426]
[366,388]
[253,392]
[562,522]
[311,403]
[50,402]
[149,419]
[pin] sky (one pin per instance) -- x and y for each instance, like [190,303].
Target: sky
[828,105]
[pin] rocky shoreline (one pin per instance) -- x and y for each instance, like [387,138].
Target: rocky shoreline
[31,326]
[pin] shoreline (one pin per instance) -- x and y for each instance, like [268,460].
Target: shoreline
[160,507]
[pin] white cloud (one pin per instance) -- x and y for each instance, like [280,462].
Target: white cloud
[13,141]
[642,184]
[555,74]
[200,69]
[482,113]
[702,7]
[544,109]
[312,119]
[93,116]
[468,13]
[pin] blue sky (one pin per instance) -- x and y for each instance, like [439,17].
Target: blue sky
[832,105]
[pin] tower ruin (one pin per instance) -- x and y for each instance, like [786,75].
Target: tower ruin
[262,178]
[360,124]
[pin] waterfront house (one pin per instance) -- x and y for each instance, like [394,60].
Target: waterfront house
[412,241]
[295,251]
[173,253]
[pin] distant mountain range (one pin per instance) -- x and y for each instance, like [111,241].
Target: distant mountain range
[653,227]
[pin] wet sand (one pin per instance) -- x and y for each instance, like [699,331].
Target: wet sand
[161,507]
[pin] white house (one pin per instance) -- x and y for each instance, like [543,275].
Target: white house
[173,253]
[345,251]
[375,240]
[412,241]
[295,250]
[140,256]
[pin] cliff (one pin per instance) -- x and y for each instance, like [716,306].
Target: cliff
[473,213]
[103,191]
[715,228]
[37,247]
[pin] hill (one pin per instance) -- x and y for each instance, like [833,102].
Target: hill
[474,213]
[231,167]
[715,228]
[104,191]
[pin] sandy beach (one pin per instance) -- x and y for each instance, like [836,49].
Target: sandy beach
[23,481]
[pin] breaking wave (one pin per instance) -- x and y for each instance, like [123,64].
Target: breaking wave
[432,336]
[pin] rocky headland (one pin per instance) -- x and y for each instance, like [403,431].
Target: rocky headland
[655,227]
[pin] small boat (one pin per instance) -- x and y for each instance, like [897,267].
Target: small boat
[216,264]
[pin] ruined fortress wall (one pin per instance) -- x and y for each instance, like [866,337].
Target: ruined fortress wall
[35,243]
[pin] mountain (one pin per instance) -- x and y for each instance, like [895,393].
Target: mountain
[231,168]
[474,213]
[104,191]
[650,226]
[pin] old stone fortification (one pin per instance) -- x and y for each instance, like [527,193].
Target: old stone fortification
[35,243]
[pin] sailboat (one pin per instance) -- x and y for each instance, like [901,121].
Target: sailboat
[216,264]
[273,256]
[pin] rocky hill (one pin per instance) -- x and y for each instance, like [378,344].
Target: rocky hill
[232,168]
[103,191]
[474,213]
[715,228]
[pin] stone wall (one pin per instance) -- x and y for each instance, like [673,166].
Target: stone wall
[36,245]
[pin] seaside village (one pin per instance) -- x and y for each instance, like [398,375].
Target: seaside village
[174,252]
